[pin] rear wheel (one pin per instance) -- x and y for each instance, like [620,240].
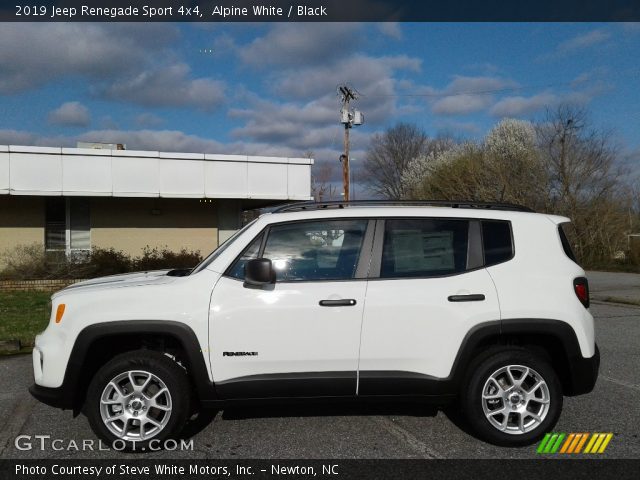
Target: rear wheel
[136,398]
[512,398]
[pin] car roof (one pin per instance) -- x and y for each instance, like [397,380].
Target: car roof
[405,211]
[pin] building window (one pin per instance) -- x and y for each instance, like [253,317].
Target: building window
[67,224]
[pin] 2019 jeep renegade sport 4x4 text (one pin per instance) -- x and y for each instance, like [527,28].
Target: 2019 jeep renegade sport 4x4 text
[482,304]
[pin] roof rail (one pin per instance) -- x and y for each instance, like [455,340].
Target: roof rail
[295,207]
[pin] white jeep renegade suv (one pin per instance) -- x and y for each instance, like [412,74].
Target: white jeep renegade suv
[478,303]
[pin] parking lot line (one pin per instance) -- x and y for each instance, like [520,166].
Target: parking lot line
[620,382]
[406,437]
[15,421]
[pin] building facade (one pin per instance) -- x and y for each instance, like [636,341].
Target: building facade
[76,199]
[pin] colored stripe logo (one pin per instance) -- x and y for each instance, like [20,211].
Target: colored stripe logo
[574,443]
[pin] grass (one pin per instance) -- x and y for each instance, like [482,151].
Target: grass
[622,300]
[23,315]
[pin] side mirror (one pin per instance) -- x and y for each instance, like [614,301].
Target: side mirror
[258,273]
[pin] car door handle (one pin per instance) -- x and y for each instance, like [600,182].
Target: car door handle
[347,302]
[475,297]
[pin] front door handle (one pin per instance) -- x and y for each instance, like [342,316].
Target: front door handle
[347,302]
[475,297]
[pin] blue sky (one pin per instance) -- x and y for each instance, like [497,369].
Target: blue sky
[270,88]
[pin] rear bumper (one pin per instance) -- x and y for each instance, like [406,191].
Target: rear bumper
[583,374]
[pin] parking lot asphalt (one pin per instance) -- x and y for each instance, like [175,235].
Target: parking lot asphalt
[357,431]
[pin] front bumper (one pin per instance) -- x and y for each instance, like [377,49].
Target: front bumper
[60,397]
[583,374]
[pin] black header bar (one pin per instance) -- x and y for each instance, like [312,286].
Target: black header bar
[320,11]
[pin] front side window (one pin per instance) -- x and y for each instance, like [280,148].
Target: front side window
[424,247]
[237,269]
[319,250]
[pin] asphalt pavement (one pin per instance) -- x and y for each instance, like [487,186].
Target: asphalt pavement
[352,431]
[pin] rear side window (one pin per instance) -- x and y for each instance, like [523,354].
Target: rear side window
[424,248]
[497,242]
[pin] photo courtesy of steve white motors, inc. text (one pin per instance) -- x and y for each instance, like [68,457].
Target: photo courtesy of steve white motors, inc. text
[167,469]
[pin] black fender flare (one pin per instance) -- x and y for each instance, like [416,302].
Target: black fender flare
[67,395]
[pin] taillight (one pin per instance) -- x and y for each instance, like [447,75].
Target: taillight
[581,287]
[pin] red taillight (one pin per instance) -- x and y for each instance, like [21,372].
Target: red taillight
[581,287]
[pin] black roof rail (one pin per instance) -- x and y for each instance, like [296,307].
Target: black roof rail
[300,206]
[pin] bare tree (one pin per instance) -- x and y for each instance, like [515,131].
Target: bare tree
[585,182]
[389,155]
[322,188]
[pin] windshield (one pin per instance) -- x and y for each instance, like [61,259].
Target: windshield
[221,248]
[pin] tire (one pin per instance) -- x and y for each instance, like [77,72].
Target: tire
[154,411]
[518,410]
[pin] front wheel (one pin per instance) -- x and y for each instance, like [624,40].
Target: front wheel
[512,398]
[136,398]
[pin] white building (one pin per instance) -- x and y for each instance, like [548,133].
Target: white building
[79,198]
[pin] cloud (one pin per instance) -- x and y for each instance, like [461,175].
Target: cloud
[148,120]
[464,94]
[33,54]
[583,41]
[309,119]
[70,114]
[456,128]
[169,86]
[391,30]
[302,43]
[631,27]
[518,106]
[577,43]
[306,126]
[461,104]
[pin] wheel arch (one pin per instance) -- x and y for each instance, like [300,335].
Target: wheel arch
[98,343]
[553,339]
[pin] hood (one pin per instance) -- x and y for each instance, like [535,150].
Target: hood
[155,277]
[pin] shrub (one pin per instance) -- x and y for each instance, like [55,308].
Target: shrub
[155,259]
[24,262]
[32,262]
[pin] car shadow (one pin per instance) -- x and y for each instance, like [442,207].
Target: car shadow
[327,410]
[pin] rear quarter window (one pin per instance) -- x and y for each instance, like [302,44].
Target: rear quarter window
[566,244]
[497,241]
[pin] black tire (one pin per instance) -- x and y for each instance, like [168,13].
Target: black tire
[178,400]
[478,379]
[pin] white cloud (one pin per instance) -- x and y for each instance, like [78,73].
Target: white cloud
[302,43]
[518,106]
[169,86]
[32,54]
[391,30]
[578,43]
[148,120]
[461,104]
[464,94]
[582,41]
[71,114]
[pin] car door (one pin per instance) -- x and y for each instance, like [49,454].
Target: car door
[427,290]
[299,336]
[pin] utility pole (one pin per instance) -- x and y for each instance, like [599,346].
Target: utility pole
[348,118]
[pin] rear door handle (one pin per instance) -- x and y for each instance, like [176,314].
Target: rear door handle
[347,302]
[475,297]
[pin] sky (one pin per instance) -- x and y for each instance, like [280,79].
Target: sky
[270,89]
